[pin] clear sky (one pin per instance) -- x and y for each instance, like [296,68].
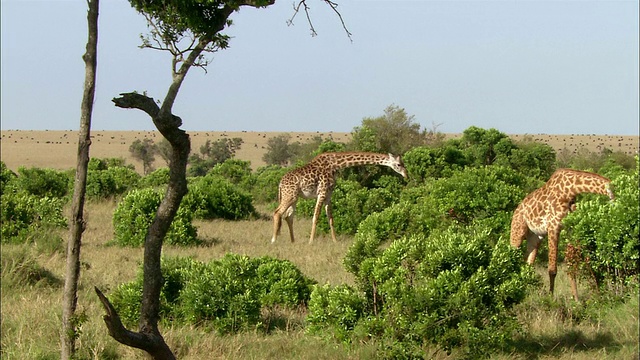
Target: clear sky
[555,67]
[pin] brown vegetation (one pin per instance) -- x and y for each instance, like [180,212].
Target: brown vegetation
[57,149]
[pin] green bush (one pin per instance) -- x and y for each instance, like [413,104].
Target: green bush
[267,179]
[23,214]
[214,197]
[226,295]
[6,176]
[44,182]
[134,214]
[157,178]
[451,289]
[425,162]
[110,182]
[478,193]
[127,297]
[238,172]
[281,283]
[607,235]
[105,163]
[335,308]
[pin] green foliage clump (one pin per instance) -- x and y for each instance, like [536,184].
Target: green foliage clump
[336,308]
[238,172]
[103,183]
[24,215]
[226,295]
[424,162]
[267,179]
[479,193]
[157,178]
[451,289]
[134,214]
[43,182]
[6,176]
[214,197]
[607,235]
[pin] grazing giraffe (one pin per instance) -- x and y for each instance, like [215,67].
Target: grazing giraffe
[541,213]
[317,180]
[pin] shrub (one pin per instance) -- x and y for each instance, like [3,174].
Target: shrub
[6,176]
[336,308]
[43,182]
[226,295]
[267,179]
[607,235]
[478,193]
[213,197]
[134,214]
[157,178]
[424,162]
[112,181]
[237,172]
[280,282]
[451,289]
[105,163]
[23,214]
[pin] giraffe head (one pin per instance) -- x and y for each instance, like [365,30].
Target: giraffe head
[610,192]
[395,162]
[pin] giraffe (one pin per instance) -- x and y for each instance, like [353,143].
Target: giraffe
[541,213]
[317,180]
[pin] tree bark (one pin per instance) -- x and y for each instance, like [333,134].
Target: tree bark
[77,223]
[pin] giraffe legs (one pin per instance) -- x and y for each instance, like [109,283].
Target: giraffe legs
[327,208]
[553,256]
[316,214]
[286,209]
[533,243]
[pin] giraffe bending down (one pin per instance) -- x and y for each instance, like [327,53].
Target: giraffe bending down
[317,180]
[541,213]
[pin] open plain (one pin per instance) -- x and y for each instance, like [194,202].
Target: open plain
[58,149]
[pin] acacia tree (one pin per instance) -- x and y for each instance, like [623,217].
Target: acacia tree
[144,150]
[189,30]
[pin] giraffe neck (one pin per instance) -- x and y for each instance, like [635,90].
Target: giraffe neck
[573,182]
[339,161]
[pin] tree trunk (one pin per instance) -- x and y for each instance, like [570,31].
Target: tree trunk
[77,223]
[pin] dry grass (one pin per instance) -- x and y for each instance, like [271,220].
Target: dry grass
[57,149]
[31,312]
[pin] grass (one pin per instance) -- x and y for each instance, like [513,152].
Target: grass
[554,327]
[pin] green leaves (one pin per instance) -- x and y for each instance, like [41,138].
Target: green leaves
[226,295]
[607,236]
[134,214]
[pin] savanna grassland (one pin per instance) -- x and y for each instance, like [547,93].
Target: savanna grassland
[57,149]
[554,327]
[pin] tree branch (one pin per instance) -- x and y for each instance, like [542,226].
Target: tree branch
[303,3]
[153,343]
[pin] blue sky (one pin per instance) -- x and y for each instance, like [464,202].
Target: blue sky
[555,67]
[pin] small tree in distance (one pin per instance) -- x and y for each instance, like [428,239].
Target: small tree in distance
[144,150]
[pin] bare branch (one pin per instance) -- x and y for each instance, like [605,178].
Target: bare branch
[303,4]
